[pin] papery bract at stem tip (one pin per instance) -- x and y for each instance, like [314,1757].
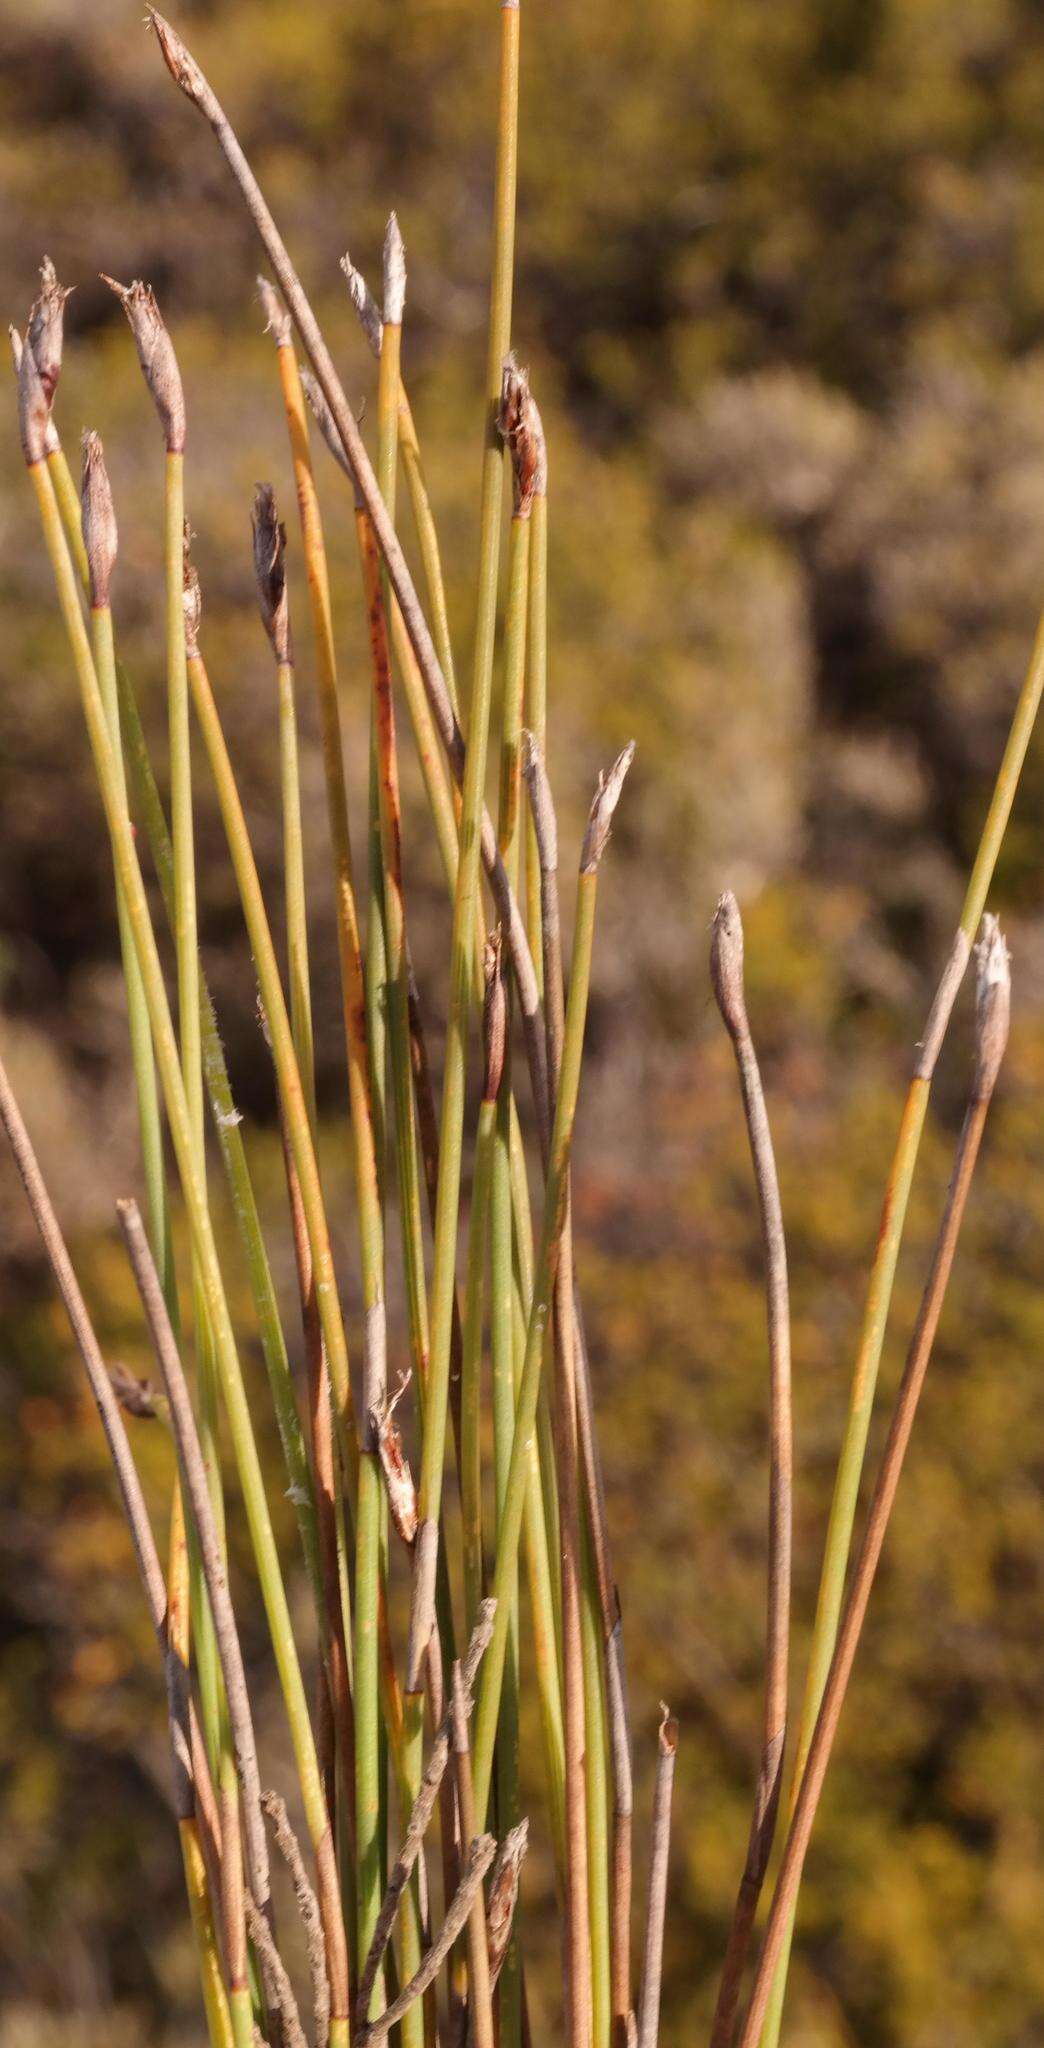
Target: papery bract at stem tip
[47,326]
[364,302]
[726,963]
[270,571]
[992,1003]
[607,796]
[394,272]
[34,413]
[277,320]
[156,356]
[98,520]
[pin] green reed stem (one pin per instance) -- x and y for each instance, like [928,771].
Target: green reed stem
[150,1121]
[427,541]
[471,1367]
[838,1542]
[466,902]
[227,1125]
[510,1523]
[185,1149]
[186,954]
[596,1783]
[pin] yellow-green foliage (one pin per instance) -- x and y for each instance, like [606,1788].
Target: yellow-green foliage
[781,292]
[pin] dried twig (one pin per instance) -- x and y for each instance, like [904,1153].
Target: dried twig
[503,1896]
[727,977]
[308,1907]
[423,1809]
[275,1975]
[480,1856]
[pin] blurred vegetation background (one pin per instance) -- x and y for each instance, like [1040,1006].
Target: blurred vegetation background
[781,290]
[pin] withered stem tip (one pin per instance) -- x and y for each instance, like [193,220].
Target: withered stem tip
[607,796]
[46,327]
[726,963]
[992,1004]
[156,355]
[98,521]
[270,571]
[34,413]
[277,320]
[365,304]
[183,69]
[394,269]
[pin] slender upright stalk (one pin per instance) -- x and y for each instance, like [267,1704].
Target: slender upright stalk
[652,1963]
[727,977]
[466,902]
[509,1527]
[100,542]
[270,576]
[992,1008]
[226,1122]
[882,1274]
[587,1828]
[365,1152]
[420,503]
[163,378]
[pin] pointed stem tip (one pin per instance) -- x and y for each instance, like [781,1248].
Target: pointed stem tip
[270,571]
[277,320]
[46,327]
[726,964]
[156,356]
[364,302]
[34,413]
[183,69]
[992,1004]
[98,521]
[607,796]
[394,267]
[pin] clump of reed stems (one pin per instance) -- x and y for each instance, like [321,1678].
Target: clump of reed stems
[422,1722]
